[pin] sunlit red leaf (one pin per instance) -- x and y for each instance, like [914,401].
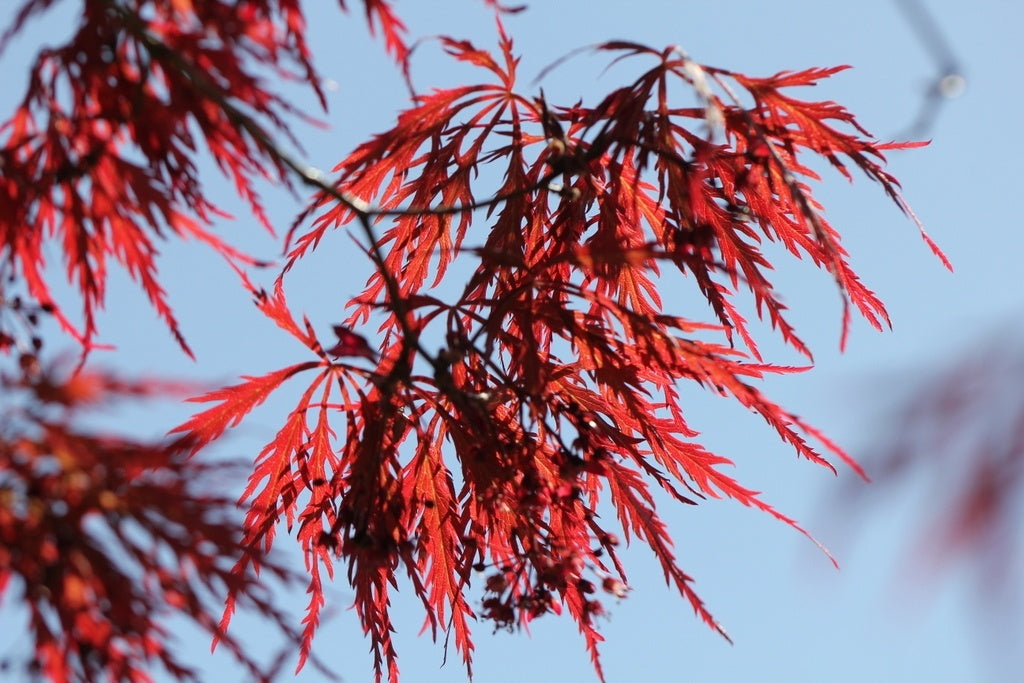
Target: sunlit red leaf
[234,403]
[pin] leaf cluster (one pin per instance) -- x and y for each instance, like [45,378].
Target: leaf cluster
[529,263]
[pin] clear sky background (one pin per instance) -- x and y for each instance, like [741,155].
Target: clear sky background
[793,616]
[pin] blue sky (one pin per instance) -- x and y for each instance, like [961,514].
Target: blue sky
[792,615]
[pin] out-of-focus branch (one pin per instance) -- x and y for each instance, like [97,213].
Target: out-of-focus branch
[949,80]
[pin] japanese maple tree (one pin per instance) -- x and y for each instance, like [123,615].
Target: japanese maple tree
[509,370]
